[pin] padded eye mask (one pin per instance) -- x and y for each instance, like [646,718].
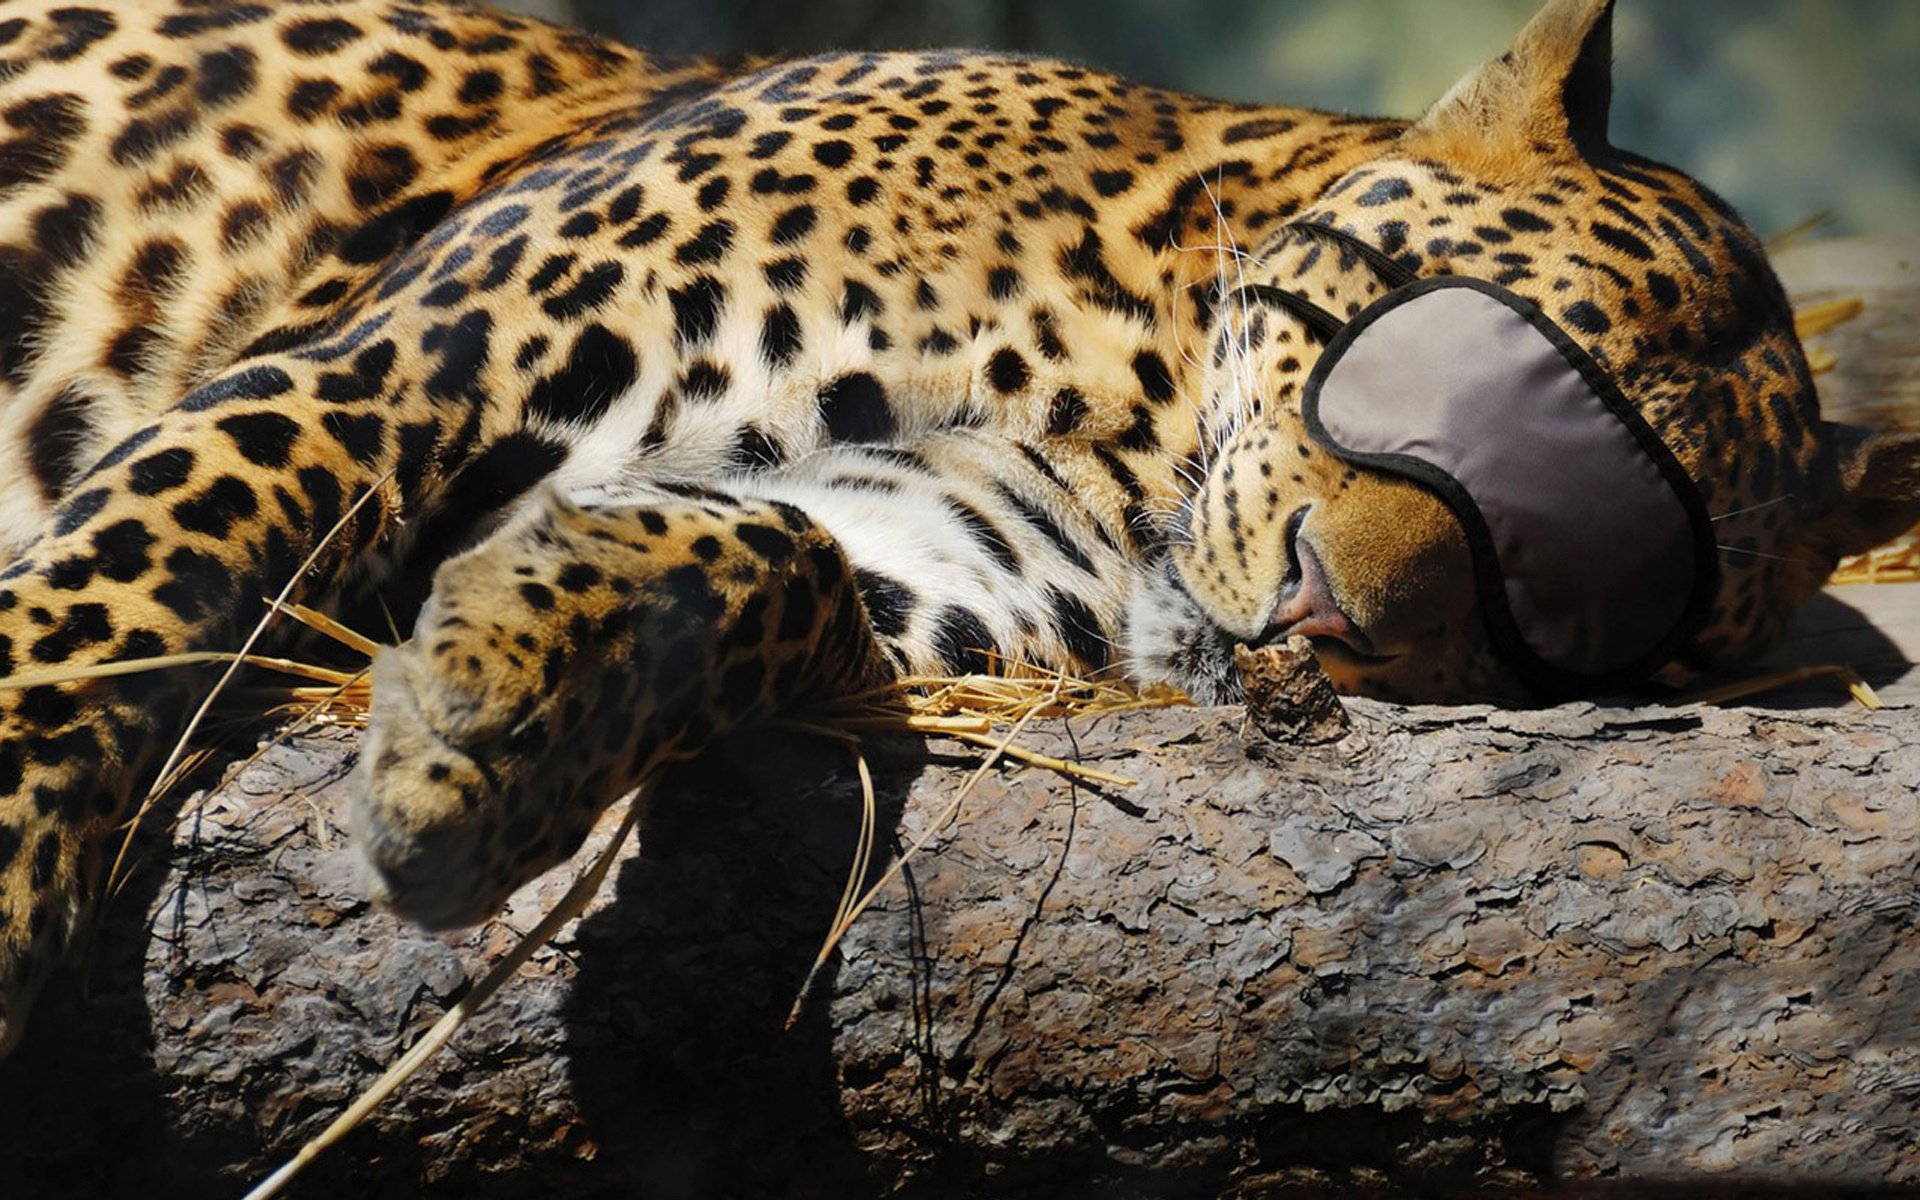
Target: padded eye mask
[1593,553]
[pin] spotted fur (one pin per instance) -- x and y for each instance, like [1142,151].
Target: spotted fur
[682,393]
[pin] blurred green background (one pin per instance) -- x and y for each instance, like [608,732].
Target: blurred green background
[1791,108]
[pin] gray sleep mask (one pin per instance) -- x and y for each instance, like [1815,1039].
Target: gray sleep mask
[1592,550]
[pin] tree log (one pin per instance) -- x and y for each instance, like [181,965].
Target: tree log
[1459,947]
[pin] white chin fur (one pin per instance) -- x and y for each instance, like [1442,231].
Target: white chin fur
[1169,640]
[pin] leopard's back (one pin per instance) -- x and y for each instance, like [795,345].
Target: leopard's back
[182,184]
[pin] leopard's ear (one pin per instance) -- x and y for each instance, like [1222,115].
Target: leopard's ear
[1879,489]
[1555,85]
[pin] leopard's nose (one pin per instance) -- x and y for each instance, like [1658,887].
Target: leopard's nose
[1307,606]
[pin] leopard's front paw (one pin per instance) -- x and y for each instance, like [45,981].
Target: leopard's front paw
[566,657]
[428,817]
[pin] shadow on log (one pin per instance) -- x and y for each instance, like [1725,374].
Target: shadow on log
[1457,948]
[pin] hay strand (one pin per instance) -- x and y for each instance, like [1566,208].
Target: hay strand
[1816,319]
[1743,689]
[322,623]
[163,662]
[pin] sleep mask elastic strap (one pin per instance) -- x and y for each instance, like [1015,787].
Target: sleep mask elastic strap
[1316,318]
[1391,273]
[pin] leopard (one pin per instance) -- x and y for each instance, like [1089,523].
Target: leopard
[674,394]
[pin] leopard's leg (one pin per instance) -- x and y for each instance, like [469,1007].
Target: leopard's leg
[569,655]
[581,646]
[167,546]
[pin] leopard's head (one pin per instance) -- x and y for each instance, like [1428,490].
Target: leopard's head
[1510,178]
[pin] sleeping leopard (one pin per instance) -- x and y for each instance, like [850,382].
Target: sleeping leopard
[678,394]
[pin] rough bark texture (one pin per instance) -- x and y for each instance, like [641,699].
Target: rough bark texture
[1458,947]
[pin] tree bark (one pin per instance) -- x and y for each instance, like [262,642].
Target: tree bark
[1458,947]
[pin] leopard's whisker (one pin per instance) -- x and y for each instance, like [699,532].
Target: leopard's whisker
[1798,560]
[1751,508]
